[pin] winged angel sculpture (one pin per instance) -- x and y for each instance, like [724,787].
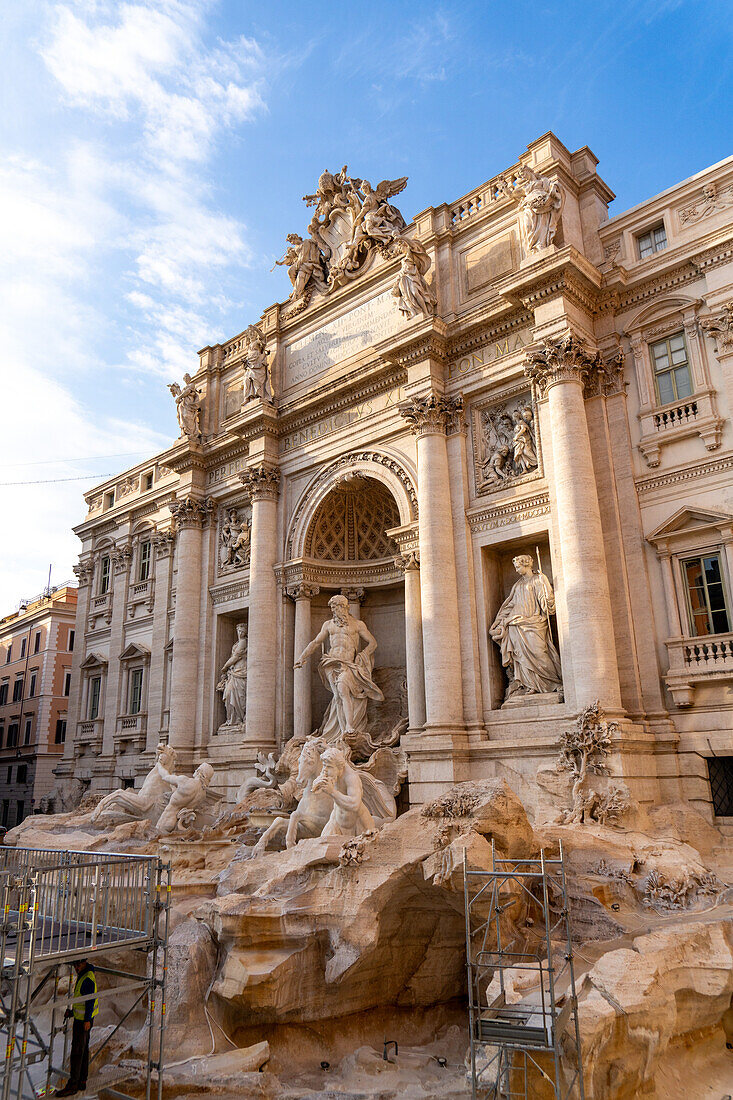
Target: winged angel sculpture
[351,221]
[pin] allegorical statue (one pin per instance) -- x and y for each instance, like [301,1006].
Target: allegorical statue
[235,539]
[345,671]
[189,795]
[411,290]
[305,265]
[233,680]
[131,805]
[540,206]
[188,404]
[522,631]
[255,383]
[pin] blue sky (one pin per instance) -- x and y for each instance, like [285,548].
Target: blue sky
[153,157]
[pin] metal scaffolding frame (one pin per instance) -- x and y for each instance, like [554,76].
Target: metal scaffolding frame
[59,907]
[515,1042]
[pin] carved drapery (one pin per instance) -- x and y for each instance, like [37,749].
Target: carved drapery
[433,414]
[261,482]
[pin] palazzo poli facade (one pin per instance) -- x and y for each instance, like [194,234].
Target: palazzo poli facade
[512,376]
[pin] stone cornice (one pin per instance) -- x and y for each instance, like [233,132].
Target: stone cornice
[432,414]
[334,398]
[687,473]
[487,330]
[564,272]
[488,517]
[261,482]
[337,574]
[431,344]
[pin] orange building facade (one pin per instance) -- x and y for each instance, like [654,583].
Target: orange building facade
[36,646]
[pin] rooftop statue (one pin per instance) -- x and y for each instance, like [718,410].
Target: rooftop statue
[351,221]
[540,205]
[188,405]
[256,381]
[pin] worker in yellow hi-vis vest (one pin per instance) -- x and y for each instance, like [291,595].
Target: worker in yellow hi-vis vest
[83,1013]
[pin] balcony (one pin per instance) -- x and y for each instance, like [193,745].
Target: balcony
[131,732]
[695,415]
[100,607]
[89,737]
[695,661]
[140,598]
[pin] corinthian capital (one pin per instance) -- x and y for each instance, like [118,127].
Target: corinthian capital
[189,512]
[262,482]
[164,542]
[84,571]
[561,359]
[121,557]
[432,414]
[720,327]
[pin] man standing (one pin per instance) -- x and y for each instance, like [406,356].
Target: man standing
[345,671]
[83,1013]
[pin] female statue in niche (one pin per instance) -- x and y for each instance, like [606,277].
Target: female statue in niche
[522,631]
[233,680]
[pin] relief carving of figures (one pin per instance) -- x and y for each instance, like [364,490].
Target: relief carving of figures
[233,680]
[540,206]
[507,447]
[521,629]
[412,292]
[347,673]
[351,221]
[188,406]
[235,540]
[256,381]
[710,202]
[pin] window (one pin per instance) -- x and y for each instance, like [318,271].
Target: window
[37,642]
[12,735]
[19,811]
[3,693]
[60,735]
[148,481]
[671,369]
[128,782]
[9,654]
[2,735]
[6,808]
[654,240]
[136,690]
[28,730]
[104,566]
[720,770]
[22,648]
[706,595]
[9,778]
[95,688]
[18,689]
[22,774]
[144,568]
[32,684]
[109,499]
[71,641]
[67,683]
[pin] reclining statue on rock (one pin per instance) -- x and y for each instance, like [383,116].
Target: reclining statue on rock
[188,796]
[127,804]
[364,792]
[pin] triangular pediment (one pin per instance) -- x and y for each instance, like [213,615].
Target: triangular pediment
[688,520]
[94,660]
[134,650]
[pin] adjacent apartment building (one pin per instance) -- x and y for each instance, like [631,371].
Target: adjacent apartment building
[514,376]
[36,646]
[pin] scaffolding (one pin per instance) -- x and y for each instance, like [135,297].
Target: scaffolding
[59,907]
[523,1010]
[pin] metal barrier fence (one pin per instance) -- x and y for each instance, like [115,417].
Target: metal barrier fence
[58,907]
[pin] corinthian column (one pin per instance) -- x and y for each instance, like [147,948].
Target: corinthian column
[560,369]
[263,483]
[409,563]
[428,418]
[191,516]
[302,594]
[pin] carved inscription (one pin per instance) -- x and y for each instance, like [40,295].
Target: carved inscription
[487,355]
[336,341]
[341,419]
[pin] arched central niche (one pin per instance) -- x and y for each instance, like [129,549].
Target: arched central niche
[351,522]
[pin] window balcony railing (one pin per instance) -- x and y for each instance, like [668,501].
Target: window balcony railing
[89,736]
[131,732]
[696,415]
[140,596]
[697,660]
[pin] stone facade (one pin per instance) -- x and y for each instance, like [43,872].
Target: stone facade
[511,375]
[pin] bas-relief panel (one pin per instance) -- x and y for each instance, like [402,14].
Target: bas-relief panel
[506,449]
[337,340]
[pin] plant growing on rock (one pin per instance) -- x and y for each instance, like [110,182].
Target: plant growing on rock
[583,751]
